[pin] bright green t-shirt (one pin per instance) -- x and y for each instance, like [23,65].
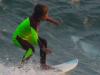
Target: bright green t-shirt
[26,32]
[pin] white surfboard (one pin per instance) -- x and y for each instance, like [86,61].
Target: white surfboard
[67,66]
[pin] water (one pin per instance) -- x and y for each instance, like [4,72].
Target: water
[77,37]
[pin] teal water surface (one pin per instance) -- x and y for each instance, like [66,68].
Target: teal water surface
[77,37]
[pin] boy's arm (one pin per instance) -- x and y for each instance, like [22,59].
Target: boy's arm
[51,20]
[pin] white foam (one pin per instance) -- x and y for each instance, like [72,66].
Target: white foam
[29,69]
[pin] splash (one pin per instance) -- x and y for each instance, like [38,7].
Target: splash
[29,69]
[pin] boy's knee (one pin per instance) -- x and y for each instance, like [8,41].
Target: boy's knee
[30,46]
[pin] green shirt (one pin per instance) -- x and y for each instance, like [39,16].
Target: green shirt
[26,32]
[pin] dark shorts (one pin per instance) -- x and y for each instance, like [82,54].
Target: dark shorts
[26,45]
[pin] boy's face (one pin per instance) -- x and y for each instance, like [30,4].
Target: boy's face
[45,16]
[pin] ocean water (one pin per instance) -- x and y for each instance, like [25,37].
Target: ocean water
[77,36]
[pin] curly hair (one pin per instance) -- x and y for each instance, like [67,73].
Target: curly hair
[40,10]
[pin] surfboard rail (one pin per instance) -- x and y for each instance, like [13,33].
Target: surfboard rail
[67,66]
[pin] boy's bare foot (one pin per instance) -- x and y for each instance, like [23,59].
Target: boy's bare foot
[21,64]
[45,66]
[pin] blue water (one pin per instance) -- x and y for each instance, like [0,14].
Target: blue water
[77,37]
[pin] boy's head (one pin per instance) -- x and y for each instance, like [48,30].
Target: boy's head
[40,11]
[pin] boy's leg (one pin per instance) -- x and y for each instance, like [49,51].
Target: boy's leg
[27,55]
[26,46]
[42,44]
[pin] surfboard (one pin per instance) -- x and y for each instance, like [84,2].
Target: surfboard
[66,66]
[59,69]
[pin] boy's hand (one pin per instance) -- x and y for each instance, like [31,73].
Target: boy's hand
[47,50]
[59,22]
